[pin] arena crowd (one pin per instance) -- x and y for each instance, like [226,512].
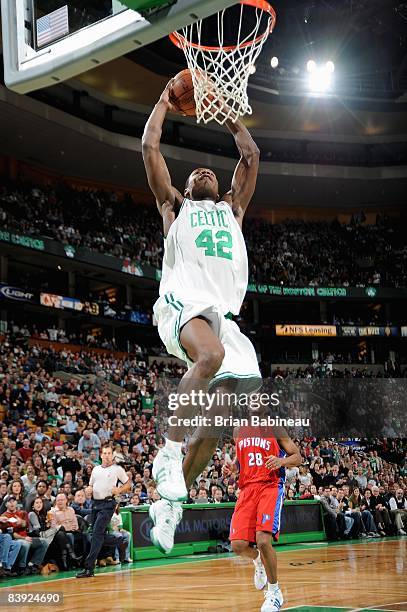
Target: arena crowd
[295,253]
[52,431]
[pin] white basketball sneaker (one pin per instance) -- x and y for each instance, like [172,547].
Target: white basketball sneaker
[260,576]
[273,600]
[168,476]
[165,515]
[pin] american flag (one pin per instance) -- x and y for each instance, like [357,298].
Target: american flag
[52,26]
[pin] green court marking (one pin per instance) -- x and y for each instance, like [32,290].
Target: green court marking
[316,609]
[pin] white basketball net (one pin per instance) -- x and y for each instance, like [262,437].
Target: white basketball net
[220,77]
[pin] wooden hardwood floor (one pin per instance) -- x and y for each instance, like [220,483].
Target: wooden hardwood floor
[366,576]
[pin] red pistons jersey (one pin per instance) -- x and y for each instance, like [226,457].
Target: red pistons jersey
[253,445]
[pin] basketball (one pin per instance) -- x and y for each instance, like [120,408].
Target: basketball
[182,93]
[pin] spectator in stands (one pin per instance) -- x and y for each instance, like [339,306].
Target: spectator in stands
[25,452]
[9,550]
[334,528]
[41,490]
[29,480]
[33,550]
[202,497]
[351,480]
[361,479]
[116,525]
[357,529]
[88,442]
[81,505]
[345,521]
[398,510]
[380,512]
[230,494]
[3,490]
[326,452]
[16,490]
[135,500]
[57,540]
[217,497]
[63,515]
[192,495]
[355,504]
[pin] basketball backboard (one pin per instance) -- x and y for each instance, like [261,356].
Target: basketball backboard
[48,41]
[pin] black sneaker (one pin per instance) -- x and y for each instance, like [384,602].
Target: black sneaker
[85,573]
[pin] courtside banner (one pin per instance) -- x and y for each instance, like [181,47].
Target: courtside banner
[314,292]
[306,330]
[367,330]
[201,523]
[212,522]
[29,242]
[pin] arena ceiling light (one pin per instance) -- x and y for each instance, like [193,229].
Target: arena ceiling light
[330,66]
[311,66]
[320,77]
[274,62]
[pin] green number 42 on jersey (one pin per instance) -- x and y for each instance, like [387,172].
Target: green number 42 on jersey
[217,244]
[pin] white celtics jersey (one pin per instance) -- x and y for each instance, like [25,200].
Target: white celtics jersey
[205,257]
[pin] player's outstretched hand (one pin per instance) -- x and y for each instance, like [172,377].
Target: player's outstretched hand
[273,463]
[226,471]
[166,97]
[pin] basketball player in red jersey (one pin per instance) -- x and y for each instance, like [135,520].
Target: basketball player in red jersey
[262,454]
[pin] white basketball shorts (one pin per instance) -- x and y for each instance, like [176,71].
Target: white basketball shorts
[240,361]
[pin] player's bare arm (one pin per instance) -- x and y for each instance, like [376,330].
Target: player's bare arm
[292,459]
[232,467]
[158,175]
[245,175]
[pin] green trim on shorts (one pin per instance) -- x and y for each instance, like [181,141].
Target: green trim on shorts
[179,307]
[229,315]
[233,375]
[226,375]
[169,298]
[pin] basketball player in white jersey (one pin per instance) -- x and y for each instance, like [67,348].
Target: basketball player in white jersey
[204,281]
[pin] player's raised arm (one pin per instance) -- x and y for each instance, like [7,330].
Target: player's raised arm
[157,172]
[245,175]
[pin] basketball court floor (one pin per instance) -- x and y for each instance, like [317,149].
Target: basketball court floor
[350,577]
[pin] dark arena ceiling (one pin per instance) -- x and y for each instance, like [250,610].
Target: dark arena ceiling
[357,127]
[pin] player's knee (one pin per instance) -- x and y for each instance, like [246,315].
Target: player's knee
[263,540]
[239,546]
[210,361]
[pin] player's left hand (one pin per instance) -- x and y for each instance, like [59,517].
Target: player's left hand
[115,491]
[166,97]
[273,463]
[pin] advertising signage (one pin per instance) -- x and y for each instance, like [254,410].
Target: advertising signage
[306,330]
[329,331]
[315,292]
[29,242]
[15,293]
[58,301]
[367,330]
[372,292]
